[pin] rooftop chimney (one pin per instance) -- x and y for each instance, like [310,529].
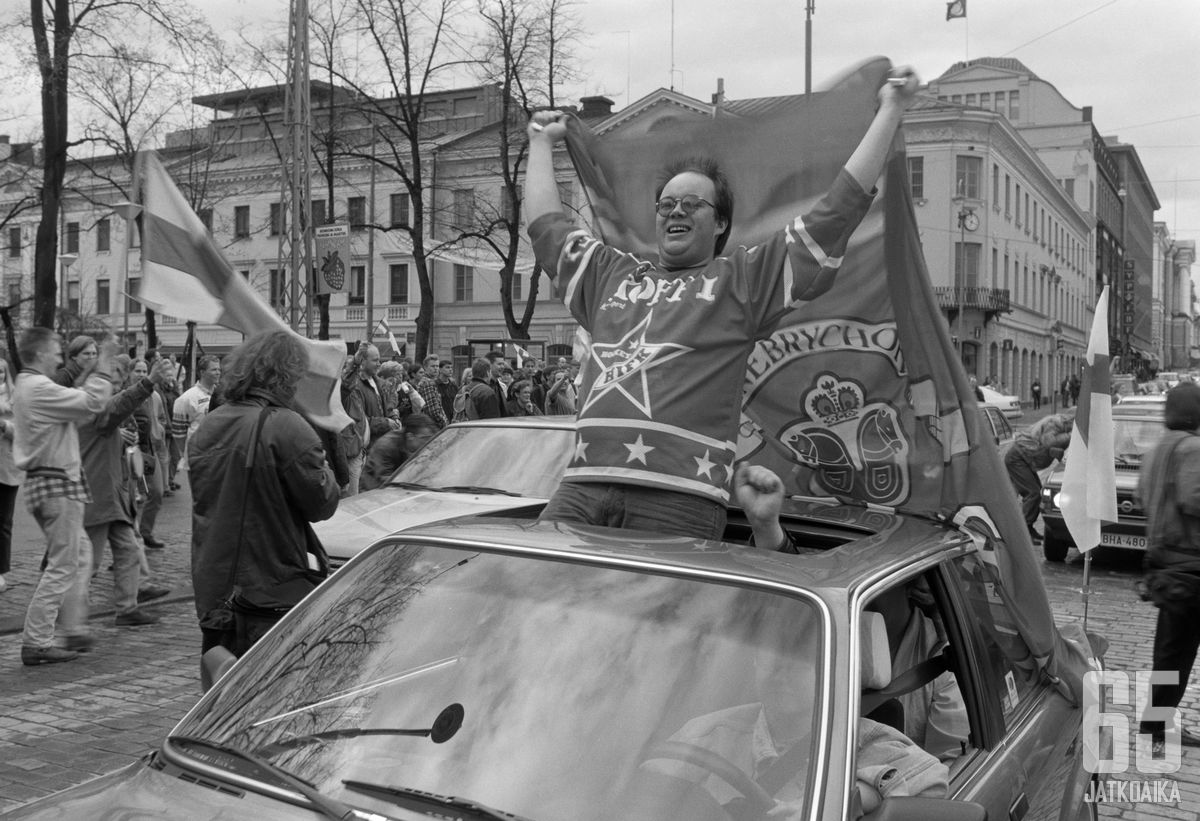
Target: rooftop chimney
[719,97]
[1087,113]
[595,106]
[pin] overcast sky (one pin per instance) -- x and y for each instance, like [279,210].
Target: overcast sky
[1136,62]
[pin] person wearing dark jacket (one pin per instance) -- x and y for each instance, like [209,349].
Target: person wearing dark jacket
[1169,491]
[80,358]
[482,397]
[259,477]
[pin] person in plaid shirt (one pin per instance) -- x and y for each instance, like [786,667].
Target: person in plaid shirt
[46,447]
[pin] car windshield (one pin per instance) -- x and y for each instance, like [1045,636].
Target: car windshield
[518,460]
[582,691]
[1133,439]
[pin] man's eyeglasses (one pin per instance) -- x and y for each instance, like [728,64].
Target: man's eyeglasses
[688,204]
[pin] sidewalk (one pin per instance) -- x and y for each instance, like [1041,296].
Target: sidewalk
[171,566]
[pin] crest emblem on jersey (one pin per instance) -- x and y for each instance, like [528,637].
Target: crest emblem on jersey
[624,364]
[854,447]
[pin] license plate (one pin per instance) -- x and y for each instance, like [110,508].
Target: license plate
[1121,540]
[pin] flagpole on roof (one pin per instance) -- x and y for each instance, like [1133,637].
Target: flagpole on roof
[808,13]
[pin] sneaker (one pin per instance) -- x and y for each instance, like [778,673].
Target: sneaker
[33,656]
[135,618]
[81,643]
[150,592]
[153,543]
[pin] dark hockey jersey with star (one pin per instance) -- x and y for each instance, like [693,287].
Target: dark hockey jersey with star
[661,396]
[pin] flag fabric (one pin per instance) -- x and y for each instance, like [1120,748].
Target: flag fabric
[957,8]
[333,257]
[384,328]
[185,275]
[859,394]
[1089,491]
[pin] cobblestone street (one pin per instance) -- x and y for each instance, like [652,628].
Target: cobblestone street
[65,723]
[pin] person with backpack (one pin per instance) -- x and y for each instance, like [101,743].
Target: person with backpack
[477,399]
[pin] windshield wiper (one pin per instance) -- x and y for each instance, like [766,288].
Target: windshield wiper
[409,485]
[474,489]
[419,799]
[447,723]
[329,807]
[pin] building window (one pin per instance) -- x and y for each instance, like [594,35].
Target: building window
[966,258]
[969,100]
[967,171]
[132,306]
[995,264]
[356,211]
[73,296]
[398,284]
[276,218]
[13,287]
[464,207]
[1007,196]
[985,99]
[358,284]
[318,212]
[277,286]
[916,177]
[464,283]
[1017,206]
[996,186]
[1000,102]
[14,242]
[241,220]
[206,219]
[72,238]
[399,211]
[956,98]
[1027,216]
[103,234]
[102,296]
[516,286]
[1014,105]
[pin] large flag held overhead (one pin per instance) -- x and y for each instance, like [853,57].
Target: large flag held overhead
[185,275]
[858,394]
[1089,490]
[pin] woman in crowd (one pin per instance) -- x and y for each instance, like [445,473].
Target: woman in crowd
[152,423]
[520,400]
[80,355]
[258,478]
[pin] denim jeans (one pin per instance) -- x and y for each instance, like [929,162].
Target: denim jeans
[61,593]
[634,507]
[126,565]
[148,515]
[355,466]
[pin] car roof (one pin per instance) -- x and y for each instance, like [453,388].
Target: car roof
[1149,411]
[877,544]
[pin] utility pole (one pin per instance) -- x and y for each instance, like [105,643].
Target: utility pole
[297,179]
[809,8]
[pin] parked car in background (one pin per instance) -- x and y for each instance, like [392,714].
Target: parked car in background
[1137,429]
[488,669]
[995,421]
[1010,406]
[510,465]
[1143,400]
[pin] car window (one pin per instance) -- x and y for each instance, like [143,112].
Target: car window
[1133,439]
[1009,668]
[573,682]
[1000,424]
[524,461]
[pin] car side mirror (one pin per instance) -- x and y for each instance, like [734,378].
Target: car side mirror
[913,808]
[215,663]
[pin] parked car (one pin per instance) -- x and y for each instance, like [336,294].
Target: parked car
[1009,405]
[995,421]
[1137,428]
[510,465]
[1143,400]
[510,669]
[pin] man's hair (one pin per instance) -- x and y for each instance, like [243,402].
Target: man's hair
[271,361]
[481,369]
[207,361]
[78,343]
[33,341]
[708,167]
[418,423]
[1182,411]
[391,370]
[431,358]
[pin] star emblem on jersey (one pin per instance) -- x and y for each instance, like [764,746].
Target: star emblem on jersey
[623,366]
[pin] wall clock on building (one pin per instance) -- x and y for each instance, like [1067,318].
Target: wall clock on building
[971,221]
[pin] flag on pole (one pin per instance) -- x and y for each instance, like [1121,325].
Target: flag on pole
[522,355]
[859,394]
[956,8]
[185,275]
[1089,490]
[384,328]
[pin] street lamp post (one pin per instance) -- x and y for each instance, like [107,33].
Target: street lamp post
[66,261]
[960,275]
[128,211]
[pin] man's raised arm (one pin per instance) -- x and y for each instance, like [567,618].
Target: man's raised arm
[866,163]
[541,189]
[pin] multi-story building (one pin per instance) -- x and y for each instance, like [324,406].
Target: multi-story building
[1173,328]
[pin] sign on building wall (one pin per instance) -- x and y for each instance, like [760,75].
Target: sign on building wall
[1128,295]
[333,258]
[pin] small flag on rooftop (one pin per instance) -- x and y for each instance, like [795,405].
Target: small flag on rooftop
[956,8]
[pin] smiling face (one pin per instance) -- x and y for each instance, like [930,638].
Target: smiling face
[684,240]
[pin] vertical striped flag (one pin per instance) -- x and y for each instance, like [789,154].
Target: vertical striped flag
[383,328]
[956,8]
[184,274]
[1089,491]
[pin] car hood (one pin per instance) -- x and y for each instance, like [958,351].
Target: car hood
[362,519]
[1126,479]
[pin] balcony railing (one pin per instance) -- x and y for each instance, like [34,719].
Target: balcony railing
[989,300]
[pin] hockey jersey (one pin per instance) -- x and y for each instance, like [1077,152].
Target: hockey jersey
[661,395]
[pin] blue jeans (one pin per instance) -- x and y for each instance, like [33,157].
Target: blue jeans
[118,537]
[666,512]
[61,593]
